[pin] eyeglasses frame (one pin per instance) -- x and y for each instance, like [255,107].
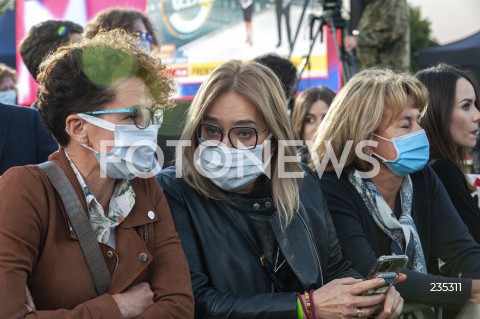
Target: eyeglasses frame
[154,118]
[228,134]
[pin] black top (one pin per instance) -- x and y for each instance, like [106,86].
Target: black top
[456,185]
[224,254]
[442,233]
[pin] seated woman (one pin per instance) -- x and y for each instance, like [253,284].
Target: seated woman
[308,112]
[258,238]
[98,98]
[386,201]
[451,123]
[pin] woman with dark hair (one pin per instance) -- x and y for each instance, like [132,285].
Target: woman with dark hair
[308,112]
[451,123]
[130,20]
[102,99]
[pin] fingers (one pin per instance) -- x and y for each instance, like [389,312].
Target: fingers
[393,305]
[346,281]
[367,301]
[401,277]
[364,312]
[361,287]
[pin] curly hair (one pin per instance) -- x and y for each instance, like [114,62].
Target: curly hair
[44,38]
[6,71]
[81,77]
[122,18]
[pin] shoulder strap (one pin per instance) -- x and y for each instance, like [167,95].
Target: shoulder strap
[81,225]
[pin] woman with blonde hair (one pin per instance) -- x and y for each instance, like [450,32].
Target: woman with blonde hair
[383,198]
[254,226]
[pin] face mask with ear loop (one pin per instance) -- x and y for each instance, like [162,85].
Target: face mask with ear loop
[413,152]
[133,153]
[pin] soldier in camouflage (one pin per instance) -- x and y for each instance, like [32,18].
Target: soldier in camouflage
[383,38]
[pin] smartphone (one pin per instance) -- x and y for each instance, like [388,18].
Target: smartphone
[386,267]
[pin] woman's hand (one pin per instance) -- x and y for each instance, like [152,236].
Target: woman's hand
[135,300]
[29,301]
[475,295]
[393,305]
[343,298]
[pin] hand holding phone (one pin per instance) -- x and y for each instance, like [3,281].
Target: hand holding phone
[388,268]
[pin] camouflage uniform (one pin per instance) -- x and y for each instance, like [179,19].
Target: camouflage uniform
[384,38]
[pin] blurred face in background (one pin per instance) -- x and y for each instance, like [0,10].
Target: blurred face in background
[465,116]
[7,83]
[313,118]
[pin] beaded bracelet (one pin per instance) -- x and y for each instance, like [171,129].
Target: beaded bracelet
[308,304]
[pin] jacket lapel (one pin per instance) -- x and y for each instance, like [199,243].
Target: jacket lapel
[291,241]
[131,234]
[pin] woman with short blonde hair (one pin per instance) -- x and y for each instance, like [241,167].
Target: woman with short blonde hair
[401,207]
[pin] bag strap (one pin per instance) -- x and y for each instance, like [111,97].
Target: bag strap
[81,225]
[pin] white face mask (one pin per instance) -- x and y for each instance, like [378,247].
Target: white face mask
[231,169]
[133,154]
[8,97]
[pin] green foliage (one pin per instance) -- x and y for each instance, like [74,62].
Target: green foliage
[420,36]
[6,5]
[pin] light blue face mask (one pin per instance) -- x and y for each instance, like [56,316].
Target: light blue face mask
[413,152]
[8,97]
[231,169]
[133,154]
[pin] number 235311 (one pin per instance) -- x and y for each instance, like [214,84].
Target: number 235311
[442,287]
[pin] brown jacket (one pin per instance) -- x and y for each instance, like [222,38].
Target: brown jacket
[38,249]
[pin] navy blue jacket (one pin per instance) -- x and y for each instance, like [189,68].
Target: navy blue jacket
[23,137]
[442,234]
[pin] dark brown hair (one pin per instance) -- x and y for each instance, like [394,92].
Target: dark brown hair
[81,77]
[44,38]
[441,82]
[123,18]
[6,71]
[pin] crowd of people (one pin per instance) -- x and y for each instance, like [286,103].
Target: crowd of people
[275,207]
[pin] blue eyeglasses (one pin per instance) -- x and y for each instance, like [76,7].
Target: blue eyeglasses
[144,36]
[142,116]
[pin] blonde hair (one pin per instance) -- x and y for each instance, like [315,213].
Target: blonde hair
[360,108]
[263,90]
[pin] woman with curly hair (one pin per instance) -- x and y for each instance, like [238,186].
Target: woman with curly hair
[102,99]
[130,20]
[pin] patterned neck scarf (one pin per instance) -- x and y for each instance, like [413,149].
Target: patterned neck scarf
[401,231]
[121,204]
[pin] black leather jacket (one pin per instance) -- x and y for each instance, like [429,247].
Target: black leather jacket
[227,277]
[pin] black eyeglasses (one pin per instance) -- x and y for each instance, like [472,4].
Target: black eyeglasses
[142,116]
[241,137]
